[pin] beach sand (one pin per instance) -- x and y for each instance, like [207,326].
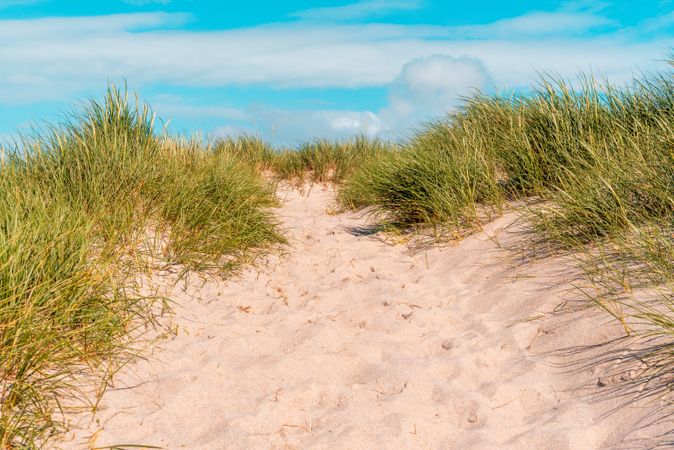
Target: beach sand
[350,342]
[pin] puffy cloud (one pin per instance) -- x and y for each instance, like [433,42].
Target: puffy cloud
[62,58]
[432,86]
[424,88]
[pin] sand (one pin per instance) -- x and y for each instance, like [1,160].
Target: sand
[350,342]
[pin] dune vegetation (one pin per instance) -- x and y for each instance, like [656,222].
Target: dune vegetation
[317,161]
[89,205]
[86,207]
[589,165]
[593,165]
[592,162]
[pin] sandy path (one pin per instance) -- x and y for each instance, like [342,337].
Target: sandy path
[347,342]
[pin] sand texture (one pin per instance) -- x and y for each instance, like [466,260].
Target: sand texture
[350,342]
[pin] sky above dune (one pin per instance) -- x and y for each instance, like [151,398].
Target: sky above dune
[290,71]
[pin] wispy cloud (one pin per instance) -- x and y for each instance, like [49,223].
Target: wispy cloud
[359,10]
[61,30]
[65,58]
[61,56]
[288,127]
[538,23]
[424,87]
[4,4]
[658,24]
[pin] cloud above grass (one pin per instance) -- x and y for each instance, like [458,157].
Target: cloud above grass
[289,127]
[62,58]
[424,87]
[433,86]
[58,57]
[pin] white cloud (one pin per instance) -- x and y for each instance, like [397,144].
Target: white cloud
[58,58]
[424,88]
[59,32]
[293,126]
[232,131]
[359,10]
[64,58]
[432,86]
[539,24]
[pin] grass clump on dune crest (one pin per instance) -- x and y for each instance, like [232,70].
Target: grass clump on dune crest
[593,162]
[438,179]
[251,150]
[608,177]
[76,204]
[315,162]
[323,160]
[213,205]
[599,155]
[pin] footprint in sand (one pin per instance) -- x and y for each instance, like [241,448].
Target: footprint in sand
[346,360]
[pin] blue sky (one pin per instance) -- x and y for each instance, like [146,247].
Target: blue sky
[298,69]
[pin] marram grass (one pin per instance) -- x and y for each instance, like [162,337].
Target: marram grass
[594,163]
[77,202]
[315,162]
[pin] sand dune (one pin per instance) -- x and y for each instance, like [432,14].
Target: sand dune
[348,342]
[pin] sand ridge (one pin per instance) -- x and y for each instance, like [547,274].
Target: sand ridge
[348,342]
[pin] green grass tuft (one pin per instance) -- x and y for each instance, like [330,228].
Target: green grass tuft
[78,206]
